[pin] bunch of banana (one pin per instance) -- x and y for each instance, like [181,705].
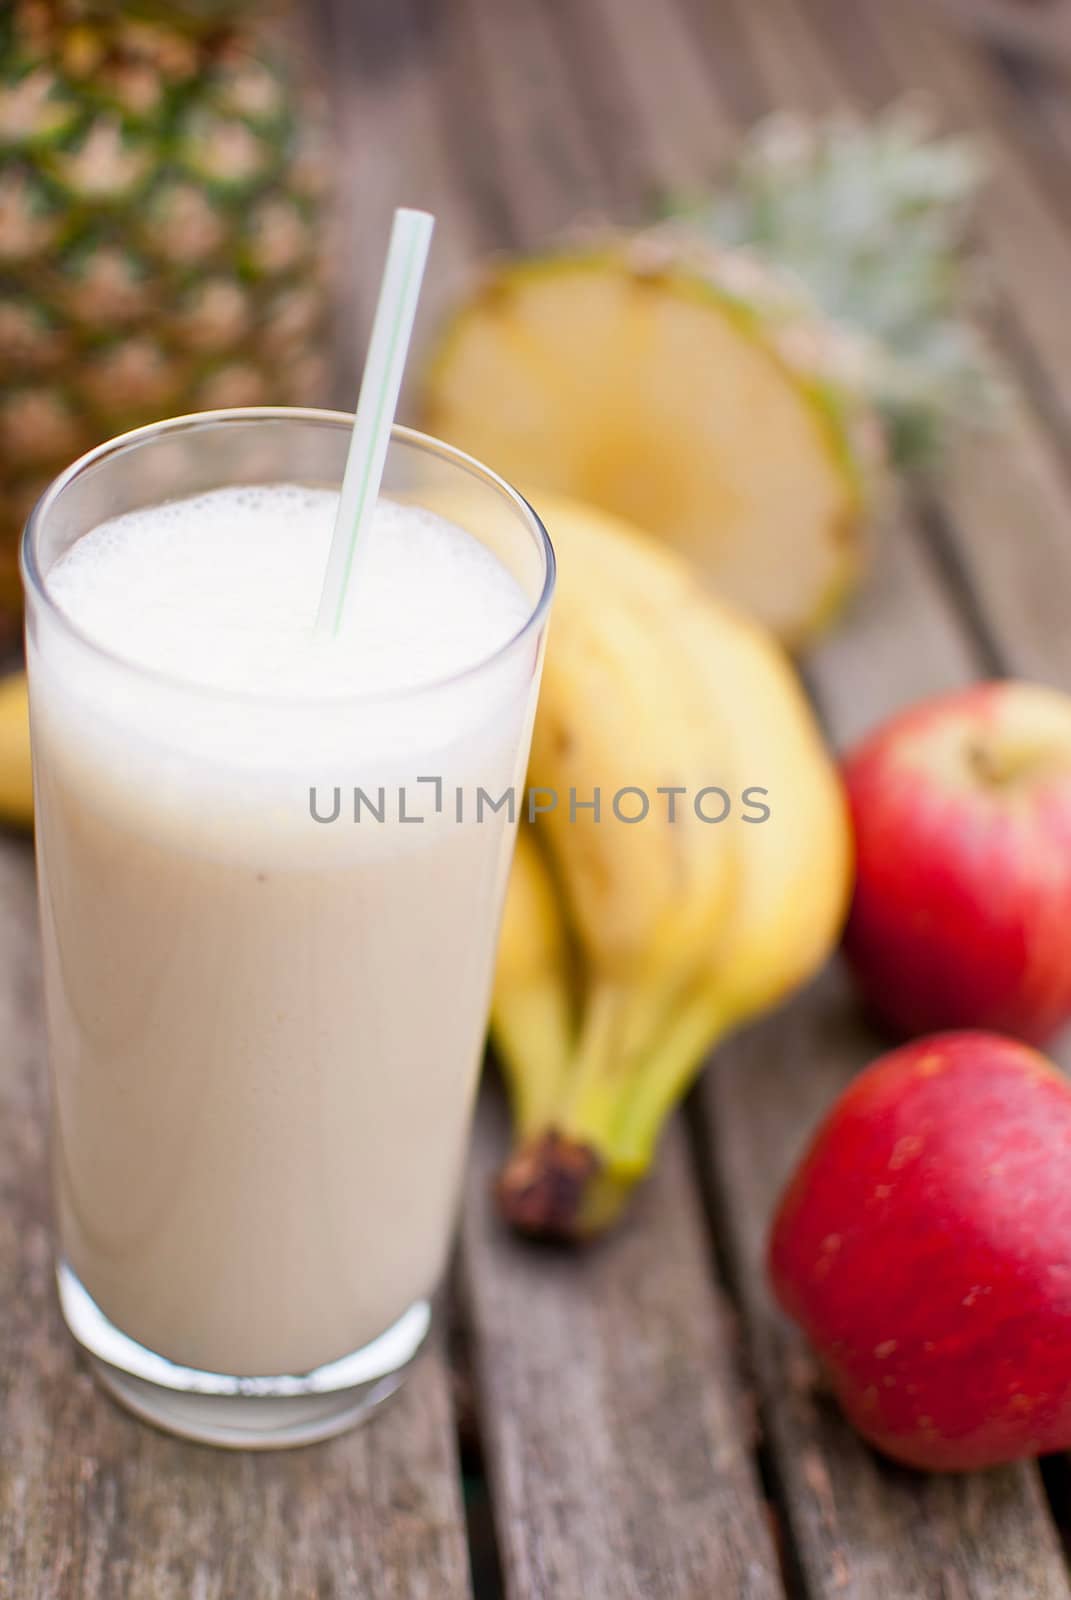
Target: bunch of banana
[629,949]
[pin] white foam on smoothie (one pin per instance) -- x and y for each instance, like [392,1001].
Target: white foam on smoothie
[248,705]
[222,590]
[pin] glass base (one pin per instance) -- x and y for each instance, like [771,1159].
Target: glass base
[260,1413]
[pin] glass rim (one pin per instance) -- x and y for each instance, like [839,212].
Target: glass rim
[35,585]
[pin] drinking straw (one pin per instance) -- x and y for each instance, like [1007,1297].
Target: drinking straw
[376,405]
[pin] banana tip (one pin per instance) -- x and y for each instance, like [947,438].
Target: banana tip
[545,1187]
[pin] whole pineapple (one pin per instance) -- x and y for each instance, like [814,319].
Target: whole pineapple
[161,244]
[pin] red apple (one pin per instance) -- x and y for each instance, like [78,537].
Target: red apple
[962,910]
[924,1245]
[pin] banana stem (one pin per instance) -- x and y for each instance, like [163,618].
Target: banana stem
[563,1179]
[616,1030]
[664,1078]
[587,1122]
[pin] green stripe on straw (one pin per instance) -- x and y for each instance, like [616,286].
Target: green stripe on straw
[376,405]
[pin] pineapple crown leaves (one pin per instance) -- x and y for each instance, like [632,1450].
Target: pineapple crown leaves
[872,219]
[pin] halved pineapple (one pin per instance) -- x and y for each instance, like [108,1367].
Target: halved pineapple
[688,395]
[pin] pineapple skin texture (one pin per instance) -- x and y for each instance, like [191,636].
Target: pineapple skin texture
[162,246]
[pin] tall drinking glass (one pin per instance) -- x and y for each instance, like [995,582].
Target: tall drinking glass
[269,924]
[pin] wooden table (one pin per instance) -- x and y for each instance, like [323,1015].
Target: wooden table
[637,1421]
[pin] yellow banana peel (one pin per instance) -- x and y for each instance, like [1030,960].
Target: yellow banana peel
[533,1012]
[682,933]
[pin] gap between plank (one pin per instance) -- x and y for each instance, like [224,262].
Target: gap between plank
[955,577]
[485,1556]
[727,1277]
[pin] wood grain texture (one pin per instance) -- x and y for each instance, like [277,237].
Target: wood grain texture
[1039,107]
[1043,30]
[96,1506]
[616,1432]
[680,126]
[860,1527]
[388,65]
[1023,231]
[789,62]
[1003,505]
[546,171]
[1007,511]
[628,169]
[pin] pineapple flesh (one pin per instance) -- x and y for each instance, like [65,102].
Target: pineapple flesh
[161,248]
[735,378]
[686,390]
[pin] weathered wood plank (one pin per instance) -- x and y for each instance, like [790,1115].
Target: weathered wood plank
[546,172]
[389,130]
[618,1444]
[609,125]
[94,1505]
[860,1527]
[791,67]
[650,51]
[1007,507]
[1003,87]
[1023,231]
[1005,498]
[1036,101]
[718,37]
[899,639]
[1045,30]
